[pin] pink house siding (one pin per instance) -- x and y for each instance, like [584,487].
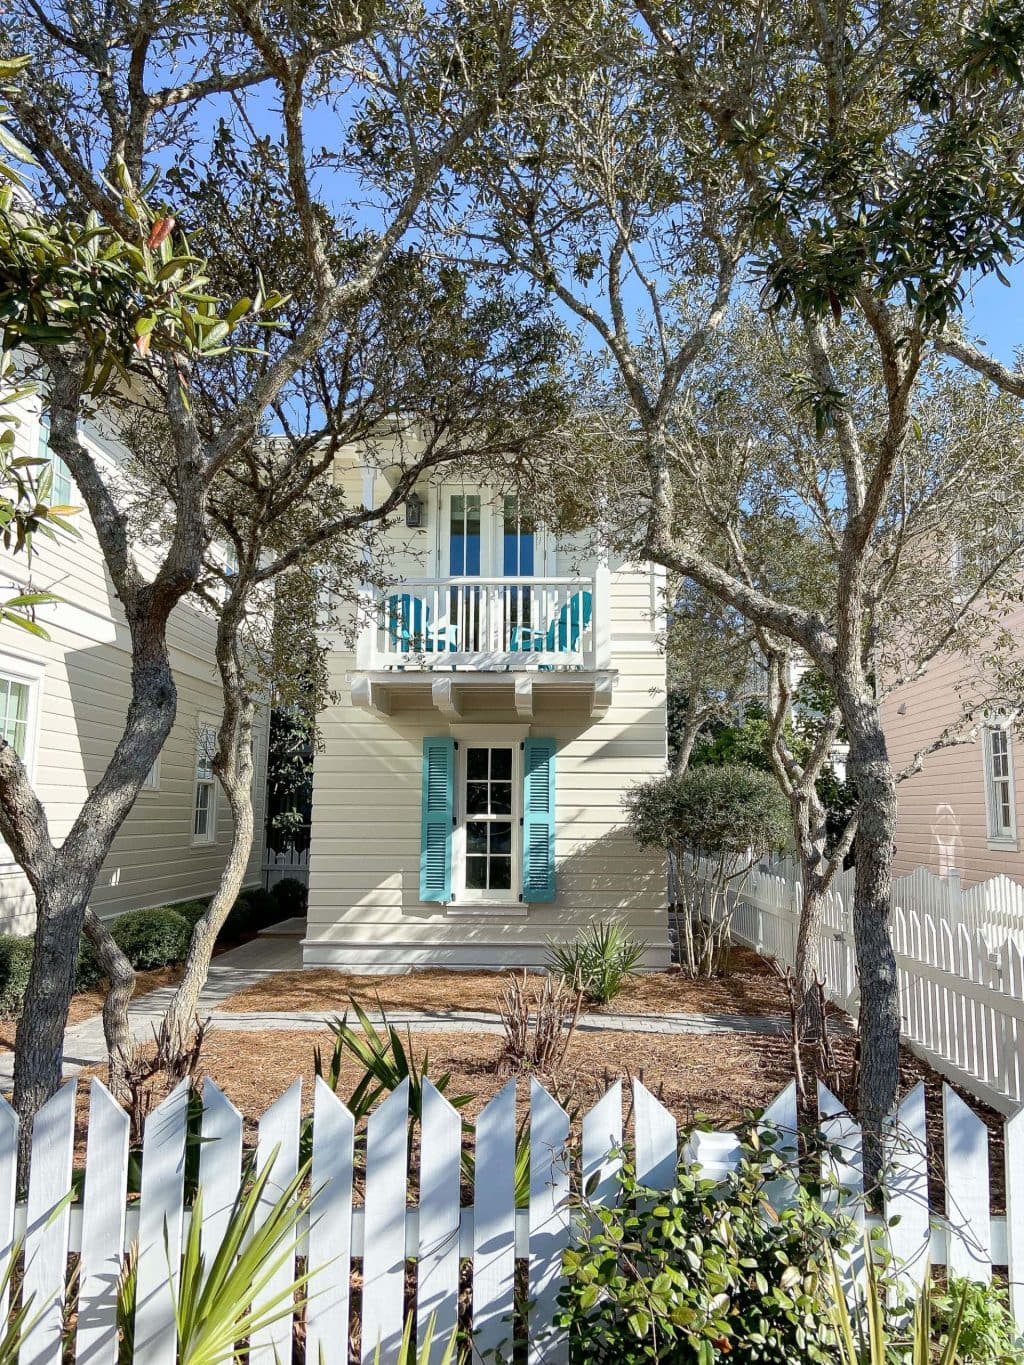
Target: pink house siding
[943,817]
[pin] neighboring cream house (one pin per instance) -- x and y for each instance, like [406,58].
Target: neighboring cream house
[63,703]
[502,696]
[964,811]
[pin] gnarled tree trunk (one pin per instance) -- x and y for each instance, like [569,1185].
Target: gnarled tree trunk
[875,782]
[120,976]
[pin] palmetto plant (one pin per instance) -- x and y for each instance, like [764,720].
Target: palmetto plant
[868,1338]
[22,1320]
[387,1061]
[599,961]
[215,1304]
[408,1354]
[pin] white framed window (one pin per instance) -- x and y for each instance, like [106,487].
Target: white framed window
[151,782]
[486,847]
[204,805]
[1000,797]
[62,487]
[20,692]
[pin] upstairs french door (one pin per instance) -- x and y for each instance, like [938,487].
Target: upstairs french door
[482,538]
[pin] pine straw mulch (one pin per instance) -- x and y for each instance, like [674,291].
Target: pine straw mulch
[713,1079]
[750,988]
[87,1004]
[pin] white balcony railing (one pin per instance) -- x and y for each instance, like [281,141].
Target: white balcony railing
[487,623]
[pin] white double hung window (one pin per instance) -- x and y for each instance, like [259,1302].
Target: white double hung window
[62,486]
[487,865]
[19,706]
[1000,797]
[204,812]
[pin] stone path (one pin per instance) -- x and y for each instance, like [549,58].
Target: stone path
[252,962]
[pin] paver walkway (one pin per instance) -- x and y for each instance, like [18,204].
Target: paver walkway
[244,966]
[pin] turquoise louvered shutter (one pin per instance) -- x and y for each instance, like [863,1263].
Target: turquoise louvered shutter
[539,820]
[436,821]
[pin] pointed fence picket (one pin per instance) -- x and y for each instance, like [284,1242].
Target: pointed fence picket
[960,962]
[330,1229]
[397,1216]
[494,1224]
[549,1222]
[437,1278]
[220,1165]
[161,1214]
[103,1220]
[46,1234]
[384,1204]
[277,1147]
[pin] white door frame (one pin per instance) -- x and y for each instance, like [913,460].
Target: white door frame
[492,532]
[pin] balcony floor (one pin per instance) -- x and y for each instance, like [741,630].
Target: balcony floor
[457,693]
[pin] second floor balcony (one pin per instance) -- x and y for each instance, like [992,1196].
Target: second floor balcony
[500,624]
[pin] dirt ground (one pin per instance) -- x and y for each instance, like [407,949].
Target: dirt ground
[86,1004]
[750,988]
[718,1080]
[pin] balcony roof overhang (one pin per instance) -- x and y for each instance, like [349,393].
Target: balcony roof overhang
[458,694]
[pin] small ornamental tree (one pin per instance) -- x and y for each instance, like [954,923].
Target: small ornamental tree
[714,823]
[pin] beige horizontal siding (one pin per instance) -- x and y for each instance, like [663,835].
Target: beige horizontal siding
[365,910]
[86,688]
[942,819]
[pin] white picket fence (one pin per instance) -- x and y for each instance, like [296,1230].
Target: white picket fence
[960,956]
[392,1241]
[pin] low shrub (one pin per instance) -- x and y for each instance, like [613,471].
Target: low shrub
[715,823]
[88,973]
[291,897]
[599,960]
[701,1273]
[252,911]
[979,1315]
[193,910]
[152,938]
[15,961]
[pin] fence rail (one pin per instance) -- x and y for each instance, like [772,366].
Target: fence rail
[959,954]
[362,1219]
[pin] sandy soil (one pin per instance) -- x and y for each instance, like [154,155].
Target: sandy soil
[750,988]
[86,1004]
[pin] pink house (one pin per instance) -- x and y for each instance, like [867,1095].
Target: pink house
[965,809]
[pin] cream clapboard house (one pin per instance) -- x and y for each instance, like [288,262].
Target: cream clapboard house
[501,697]
[63,703]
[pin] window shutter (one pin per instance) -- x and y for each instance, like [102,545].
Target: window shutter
[436,821]
[539,820]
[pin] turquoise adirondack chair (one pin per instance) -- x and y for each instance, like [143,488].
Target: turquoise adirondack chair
[409,626]
[564,633]
[407,621]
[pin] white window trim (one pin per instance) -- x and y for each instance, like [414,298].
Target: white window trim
[492,523]
[468,902]
[999,839]
[32,672]
[154,773]
[210,837]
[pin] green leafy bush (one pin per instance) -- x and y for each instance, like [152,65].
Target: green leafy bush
[714,823]
[291,897]
[600,959]
[702,1273]
[15,961]
[978,1317]
[152,938]
[192,910]
[252,911]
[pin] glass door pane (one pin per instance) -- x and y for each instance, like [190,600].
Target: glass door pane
[518,554]
[464,560]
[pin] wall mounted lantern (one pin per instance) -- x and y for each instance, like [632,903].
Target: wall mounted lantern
[414,511]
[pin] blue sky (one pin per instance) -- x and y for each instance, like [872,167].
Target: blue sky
[994,313]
